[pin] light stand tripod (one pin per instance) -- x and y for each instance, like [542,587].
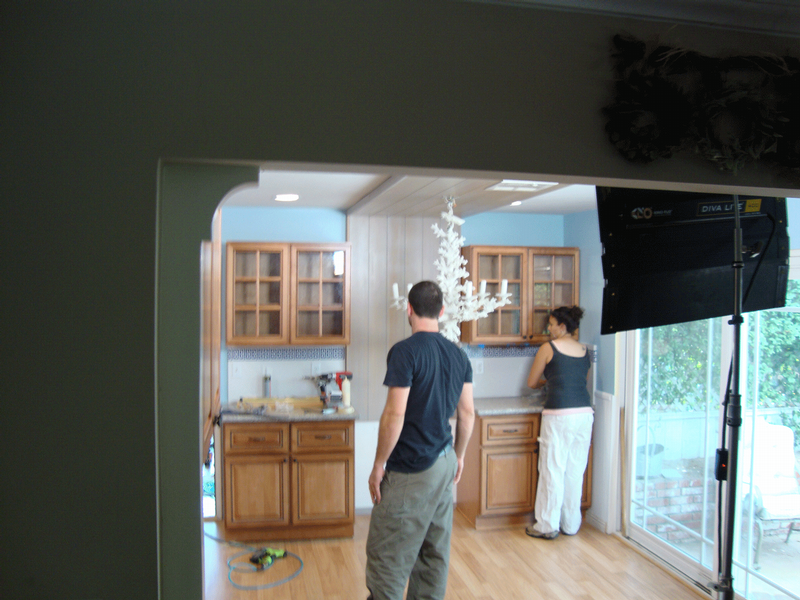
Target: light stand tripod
[727,459]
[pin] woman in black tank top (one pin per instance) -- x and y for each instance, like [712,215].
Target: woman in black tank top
[566,427]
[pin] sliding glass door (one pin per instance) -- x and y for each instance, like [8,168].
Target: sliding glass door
[680,373]
[676,425]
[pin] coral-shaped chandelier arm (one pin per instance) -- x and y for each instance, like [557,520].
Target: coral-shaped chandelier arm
[460,303]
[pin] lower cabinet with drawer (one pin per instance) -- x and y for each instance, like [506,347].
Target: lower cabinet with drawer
[501,472]
[289,480]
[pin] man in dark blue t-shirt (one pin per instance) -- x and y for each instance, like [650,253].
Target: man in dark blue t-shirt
[416,462]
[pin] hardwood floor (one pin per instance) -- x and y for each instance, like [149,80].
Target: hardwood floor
[484,565]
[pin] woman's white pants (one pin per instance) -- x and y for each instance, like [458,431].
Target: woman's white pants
[563,453]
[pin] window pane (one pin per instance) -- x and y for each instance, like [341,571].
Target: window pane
[332,264]
[512,267]
[307,322]
[542,268]
[541,294]
[332,294]
[269,293]
[269,322]
[488,267]
[563,268]
[489,325]
[308,294]
[244,323]
[562,293]
[540,322]
[270,264]
[245,264]
[509,322]
[677,435]
[332,322]
[308,265]
[244,293]
[513,289]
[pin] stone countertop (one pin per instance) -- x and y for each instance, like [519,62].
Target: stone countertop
[512,405]
[281,416]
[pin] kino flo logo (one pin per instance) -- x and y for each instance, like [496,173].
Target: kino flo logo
[642,213]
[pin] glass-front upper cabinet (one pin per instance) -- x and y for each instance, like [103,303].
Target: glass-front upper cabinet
[257,293]
[320,298]
[493,264]
[287,293]
[554,281]
[539,279]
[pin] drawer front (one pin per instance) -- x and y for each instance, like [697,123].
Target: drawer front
[515,429]
[322,436]
[256,437]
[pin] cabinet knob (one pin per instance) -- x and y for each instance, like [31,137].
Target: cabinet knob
[510,430]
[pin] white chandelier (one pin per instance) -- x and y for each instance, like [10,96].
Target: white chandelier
[460,303]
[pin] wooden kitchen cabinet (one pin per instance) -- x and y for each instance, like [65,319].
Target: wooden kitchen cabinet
[257,301]
[287,294]
[289,480]
[498,485]
[539,280]
[320,294]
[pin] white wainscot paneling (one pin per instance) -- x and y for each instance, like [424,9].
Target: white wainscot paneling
[604,512]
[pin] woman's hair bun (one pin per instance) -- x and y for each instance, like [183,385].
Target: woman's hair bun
[569,316]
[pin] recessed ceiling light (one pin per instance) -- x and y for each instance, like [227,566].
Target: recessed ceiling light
[516,203]
[520,185]
[287,198]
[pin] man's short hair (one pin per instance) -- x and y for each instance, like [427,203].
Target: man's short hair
[426,299]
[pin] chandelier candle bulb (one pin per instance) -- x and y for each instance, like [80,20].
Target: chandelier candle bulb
[395,291]
[483,287]
[504,286]
[468,289]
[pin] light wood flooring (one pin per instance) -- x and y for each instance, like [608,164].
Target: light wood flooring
[484,565]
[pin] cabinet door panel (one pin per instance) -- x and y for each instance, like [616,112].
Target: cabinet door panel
[257,491]
[509,474]
[322,489]
[320,308]
[257,293]
[493,264]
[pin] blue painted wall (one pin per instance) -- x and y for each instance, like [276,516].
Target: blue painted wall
[283,224]
[506,229]
[583,230]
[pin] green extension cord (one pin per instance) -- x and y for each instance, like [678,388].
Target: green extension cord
[260,559]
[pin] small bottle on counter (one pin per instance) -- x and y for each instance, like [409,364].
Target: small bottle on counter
[346,391]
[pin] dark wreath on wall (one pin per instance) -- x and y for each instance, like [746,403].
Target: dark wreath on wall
[731,111]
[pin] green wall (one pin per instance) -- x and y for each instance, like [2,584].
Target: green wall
[95,95]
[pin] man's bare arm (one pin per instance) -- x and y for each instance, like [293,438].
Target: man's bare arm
[391,424]
[465,422]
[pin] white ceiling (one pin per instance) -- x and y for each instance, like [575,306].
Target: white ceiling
[375,192]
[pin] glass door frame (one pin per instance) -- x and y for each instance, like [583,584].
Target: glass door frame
[744,572]
[628,349]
